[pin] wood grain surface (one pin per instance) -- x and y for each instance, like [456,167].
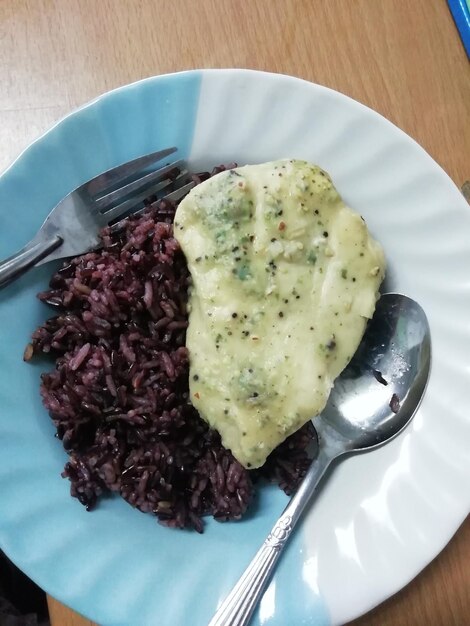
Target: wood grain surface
[401,57]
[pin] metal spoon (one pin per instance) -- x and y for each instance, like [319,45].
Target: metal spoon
[372,401]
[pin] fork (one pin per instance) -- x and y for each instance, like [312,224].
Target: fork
[73,226]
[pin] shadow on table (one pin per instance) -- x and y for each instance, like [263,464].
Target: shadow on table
[22,603]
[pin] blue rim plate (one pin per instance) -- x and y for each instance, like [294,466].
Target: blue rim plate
[383,516]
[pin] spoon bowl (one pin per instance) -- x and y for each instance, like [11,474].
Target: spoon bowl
[378,393]
[372,401]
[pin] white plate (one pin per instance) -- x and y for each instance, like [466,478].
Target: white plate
[383,516]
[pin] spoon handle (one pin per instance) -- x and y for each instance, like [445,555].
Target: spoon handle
[238,606]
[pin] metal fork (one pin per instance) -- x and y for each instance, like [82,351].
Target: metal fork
[72,227]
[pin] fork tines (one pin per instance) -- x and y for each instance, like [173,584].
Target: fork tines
[142,187]
[110,180]
[136,183]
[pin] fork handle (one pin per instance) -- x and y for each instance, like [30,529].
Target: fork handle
[27,257]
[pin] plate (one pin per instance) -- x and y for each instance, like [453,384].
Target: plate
[383,515]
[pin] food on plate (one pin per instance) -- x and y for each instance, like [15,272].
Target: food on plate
[119,396]
[284,279]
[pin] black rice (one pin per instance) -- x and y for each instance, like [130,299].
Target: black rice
[118,395]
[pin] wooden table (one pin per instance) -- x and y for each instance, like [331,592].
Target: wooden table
[401,57]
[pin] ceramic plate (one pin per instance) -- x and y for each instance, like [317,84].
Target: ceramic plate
[384,515]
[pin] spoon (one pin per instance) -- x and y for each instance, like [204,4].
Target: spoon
[372,401]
